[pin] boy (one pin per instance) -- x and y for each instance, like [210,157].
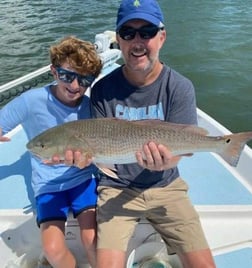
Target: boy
[74,65]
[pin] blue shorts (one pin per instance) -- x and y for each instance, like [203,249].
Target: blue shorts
[56,206]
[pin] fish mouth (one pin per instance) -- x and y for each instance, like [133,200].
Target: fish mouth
[30,148]
[36,154]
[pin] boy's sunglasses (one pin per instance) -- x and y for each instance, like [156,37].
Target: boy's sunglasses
[145,32]
[68,77]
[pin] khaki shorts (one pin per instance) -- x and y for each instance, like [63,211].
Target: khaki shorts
[168,209]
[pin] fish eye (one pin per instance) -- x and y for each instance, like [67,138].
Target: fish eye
[42,145]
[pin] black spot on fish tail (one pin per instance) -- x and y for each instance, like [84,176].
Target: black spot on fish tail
[234,146]
[228,140]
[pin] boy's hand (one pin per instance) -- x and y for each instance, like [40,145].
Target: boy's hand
[72,158]
[3,138]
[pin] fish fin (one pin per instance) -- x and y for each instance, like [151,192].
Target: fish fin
[235,144]
[157,122]
[107,170]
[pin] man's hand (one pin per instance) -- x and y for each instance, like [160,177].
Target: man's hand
[156,157]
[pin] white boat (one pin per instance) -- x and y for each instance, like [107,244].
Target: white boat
[221,194]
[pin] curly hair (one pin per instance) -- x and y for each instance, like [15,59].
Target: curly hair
[80,55]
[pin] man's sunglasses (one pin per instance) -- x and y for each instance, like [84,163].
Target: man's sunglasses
[145,32]
[68,77]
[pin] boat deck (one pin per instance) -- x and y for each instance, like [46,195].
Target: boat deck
[220,187]
[237,258]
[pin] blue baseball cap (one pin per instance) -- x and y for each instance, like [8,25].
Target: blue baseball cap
[148,10]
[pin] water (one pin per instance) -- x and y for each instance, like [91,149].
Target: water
[208,41]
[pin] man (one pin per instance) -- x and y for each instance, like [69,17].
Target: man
[145,88]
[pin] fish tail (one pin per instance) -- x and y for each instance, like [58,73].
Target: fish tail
[234,146]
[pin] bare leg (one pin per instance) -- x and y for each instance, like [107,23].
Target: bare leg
[87,222]
[198,259]
[110,258]
[54,246]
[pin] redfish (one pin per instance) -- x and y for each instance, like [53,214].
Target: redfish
[115,141]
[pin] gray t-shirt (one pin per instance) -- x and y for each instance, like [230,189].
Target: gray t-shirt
[170,98]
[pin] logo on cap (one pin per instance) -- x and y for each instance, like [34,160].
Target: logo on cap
[136,3]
